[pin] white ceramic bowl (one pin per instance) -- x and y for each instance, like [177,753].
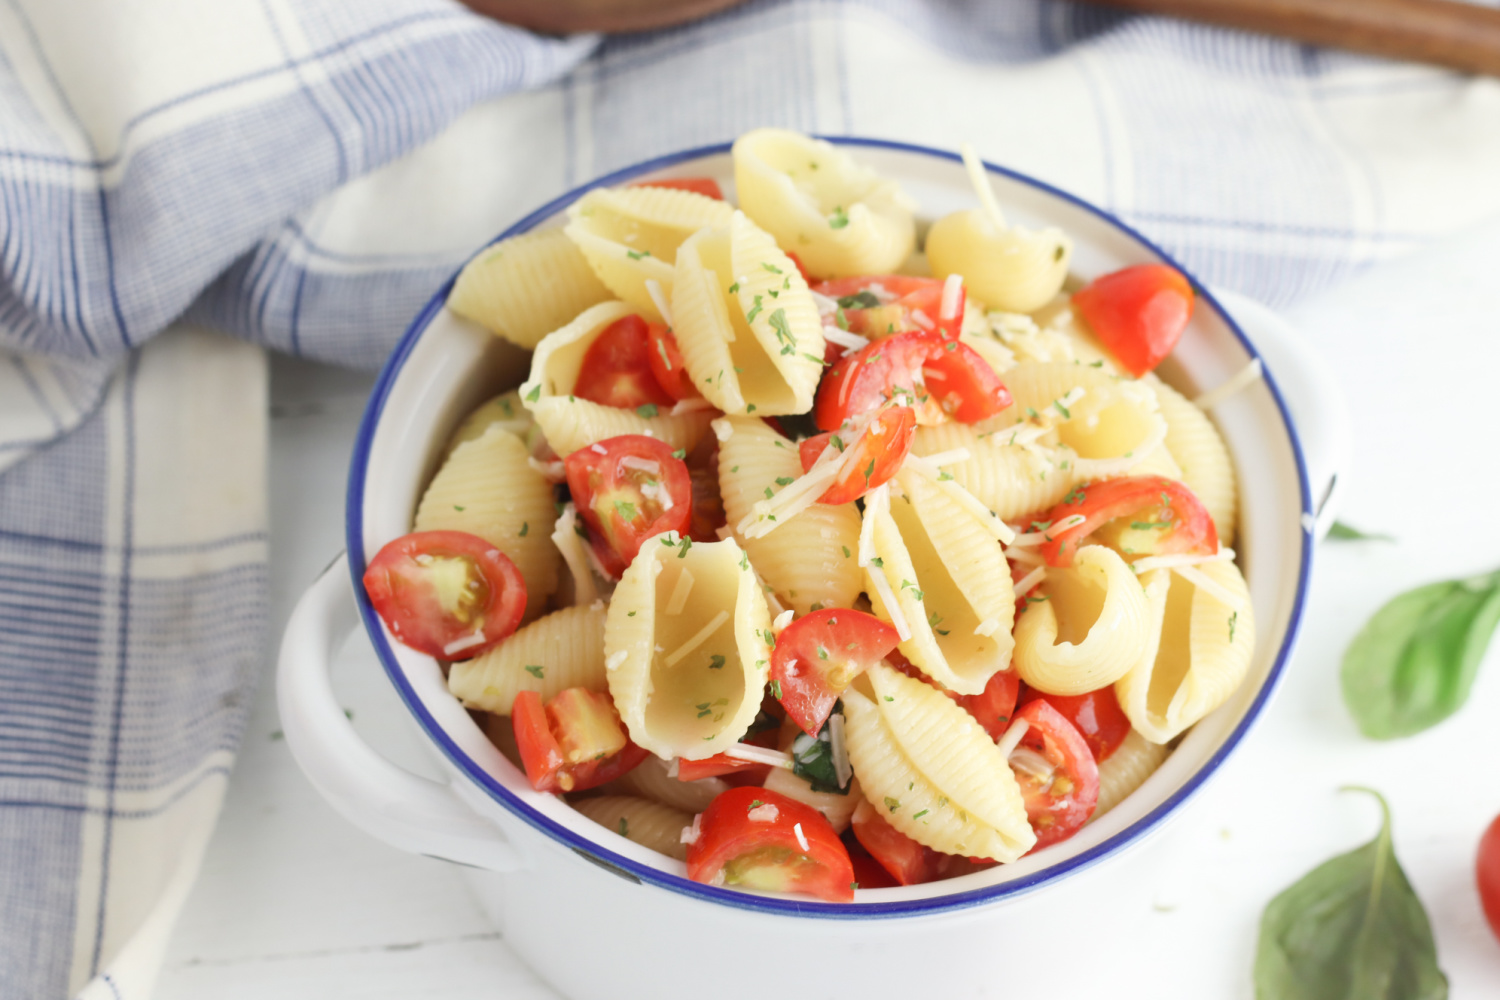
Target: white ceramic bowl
[568,879]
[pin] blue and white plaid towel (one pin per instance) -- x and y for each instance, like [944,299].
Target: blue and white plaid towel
[301,174]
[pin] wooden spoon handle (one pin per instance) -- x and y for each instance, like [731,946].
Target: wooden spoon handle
[1444,32]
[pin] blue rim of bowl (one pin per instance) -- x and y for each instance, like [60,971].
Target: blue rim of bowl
[354,521]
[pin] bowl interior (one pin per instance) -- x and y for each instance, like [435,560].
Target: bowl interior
[445,366]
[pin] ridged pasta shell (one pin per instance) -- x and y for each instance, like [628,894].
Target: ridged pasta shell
[650,780]
[1201,656]
[931,770]
[1127,769]
[1195,443]
[840,218]
[1009,479]
[562,650]
[745,321]
[487,488]
[631,235]
[948,575]
[1014,269]
[571,423]
[504,410]
[1093,626]
[687,647]
[647,823]
[527,286]
[1115,424]
[807,560]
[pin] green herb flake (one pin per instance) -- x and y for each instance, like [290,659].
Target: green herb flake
[877,562]
[754,311]
[770,267]
[846,551]
[784,480]
[646,410]
[459,509]
[637,254]
[919,815]
[1067,414]
[525,529]
[1341,532]
[776,690]
[624,827]
[625,509]
[750,408]
[682,550]
[892,804]
[1233,620]
[839,219]
[536,671]
[716,662]
[679,453]
[734,288]
[535,393]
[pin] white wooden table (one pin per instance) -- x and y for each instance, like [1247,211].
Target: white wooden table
[295,903]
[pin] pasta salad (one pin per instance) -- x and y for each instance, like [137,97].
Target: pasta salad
[816,560]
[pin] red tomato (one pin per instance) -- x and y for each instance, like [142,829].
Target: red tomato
[914,304]
[717,766]
[616,369]
[878,454]
[992,708]
[1061,791]
[801,269]
[939,378]
[1487,871]
[748,837]
[1138,313]
[1165,503]
[575,742]
[706,186]
[708,503]
[907,861]
[628,489]
[666,363]
[817,656]
[869,873]
[448,594]
[1096,715]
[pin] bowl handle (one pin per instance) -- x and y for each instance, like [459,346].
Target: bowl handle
[1313,395]
[388,802]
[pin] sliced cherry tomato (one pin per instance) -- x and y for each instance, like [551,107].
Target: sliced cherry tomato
[869,873]
[572,743]
[1164,511]
[817,656]
[1138,313]
[666,363]
[993,708]
[706,186]
[882,304]
[628,489]
[938,378]
[1096,715]
[801,268]
[448,594]
[1487,871]
[1058,777]
[749,837]
[764,732]
[616,369]
[878,454]
[907,861]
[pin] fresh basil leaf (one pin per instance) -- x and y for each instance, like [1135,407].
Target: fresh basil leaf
[1351,929]
[812,760]
[1413,663]
[859,300]
[1341,532]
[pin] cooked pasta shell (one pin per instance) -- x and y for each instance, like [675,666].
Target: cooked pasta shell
[562,650]
[931,770]
[745,321]
[487,488]
[688,646]
[1112,426]
[527,286]
[1126,769]
[950,581]
[1196,445]
[838,217]
[650,780]
[1092,624]
[807,560]
[1014,269]
[1009,479]
[1201,656]
[504,410]
[647,823]
[837,809]
[631,235]
[571,423]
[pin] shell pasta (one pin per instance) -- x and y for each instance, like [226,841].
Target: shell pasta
[930,563]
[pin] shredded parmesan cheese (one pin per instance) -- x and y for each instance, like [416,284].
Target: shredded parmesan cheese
[680,592]
[1051,532]
[922,319]
[801,838]
[647,465]
[892,606]
[1011,738]
[842,769]
[1241,379]
[763,813]
[690,834]
[653,289]
[781,621]
[759,755]
[613,660]
[723,429]
[987,627]
[877,501]
[850,342]
[981,182]
[1179,559]
[698,639]
[953,287]
[991,521]
[1030,580]
[1203,581]
[467,642]
[1026,556]
[949,457]
[575,554]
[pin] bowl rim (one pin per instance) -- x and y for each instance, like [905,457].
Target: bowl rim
[789,906]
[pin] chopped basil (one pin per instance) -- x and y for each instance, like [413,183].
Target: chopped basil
[525,528]
[812,760]
[839,219]
[646,410]
[535,670]
[859,300]
[535,393]
[637,254]
[716,662]
[679,453]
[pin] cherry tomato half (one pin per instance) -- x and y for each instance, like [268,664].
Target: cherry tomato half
[817,656]
[628,489]
[1487,871]
[1059,779]
[937,377]
[878,305]
[907,861]
[706,186]
[1096,715]
[1166,511]
[1138,313]
[666,363]
[749,837]
[574,742]
[616,369]
[448,594]
[878,454]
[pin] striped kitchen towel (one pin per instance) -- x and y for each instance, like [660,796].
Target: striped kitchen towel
[301,174]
